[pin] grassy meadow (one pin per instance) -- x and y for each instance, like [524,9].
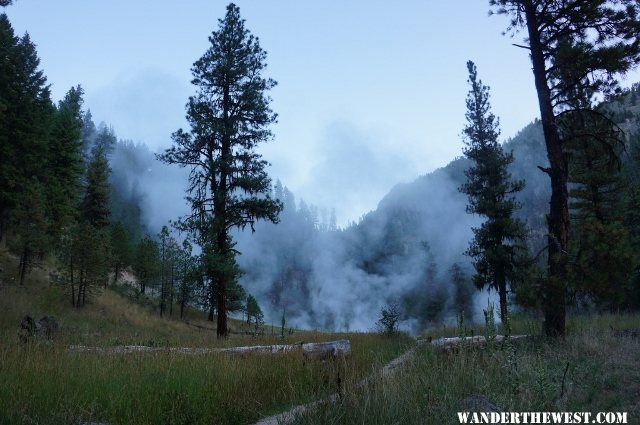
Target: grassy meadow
[602,375]
[41,382]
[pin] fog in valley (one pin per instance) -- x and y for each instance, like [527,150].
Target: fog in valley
[322,275]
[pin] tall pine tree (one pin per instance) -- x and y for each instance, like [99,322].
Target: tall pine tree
[604,41]
[498,245]
[229,117]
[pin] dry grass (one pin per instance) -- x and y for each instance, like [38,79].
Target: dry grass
[43,383]
[603,375]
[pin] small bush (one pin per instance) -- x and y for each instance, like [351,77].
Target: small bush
[389,317]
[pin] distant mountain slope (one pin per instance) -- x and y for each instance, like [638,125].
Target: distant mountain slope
[401,252]
[441,208]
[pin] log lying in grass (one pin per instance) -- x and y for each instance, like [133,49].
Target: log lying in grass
[311,350]
[626,333]
[326,350]
[448,344]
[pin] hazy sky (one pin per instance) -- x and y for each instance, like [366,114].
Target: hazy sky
[370,93]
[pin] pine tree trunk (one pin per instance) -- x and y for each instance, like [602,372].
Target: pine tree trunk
[221,208]
[558,219]
[80,285]
[222,330]
[171,294]
[162,298]
[502,292]
[73,285]
[84,292]
[24,261]
[212,300]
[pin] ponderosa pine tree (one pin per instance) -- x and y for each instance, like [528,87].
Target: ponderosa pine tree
[229,116]
[604,39]
[497,248]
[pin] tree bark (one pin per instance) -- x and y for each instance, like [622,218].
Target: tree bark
[558,219]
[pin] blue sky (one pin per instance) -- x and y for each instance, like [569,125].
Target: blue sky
[370,93]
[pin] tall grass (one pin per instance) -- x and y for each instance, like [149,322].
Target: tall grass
[41,382]
[602,375]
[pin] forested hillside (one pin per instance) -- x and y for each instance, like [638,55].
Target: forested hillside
[404,251]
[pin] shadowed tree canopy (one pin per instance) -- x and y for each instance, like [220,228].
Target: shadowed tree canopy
[576,47]
[25,115]
[96,197]
[229,116]
[64,165]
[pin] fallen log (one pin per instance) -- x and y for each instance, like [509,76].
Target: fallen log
[626,333]
[448,344]
[311,350]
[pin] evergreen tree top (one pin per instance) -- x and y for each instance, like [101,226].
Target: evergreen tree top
[482,127]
